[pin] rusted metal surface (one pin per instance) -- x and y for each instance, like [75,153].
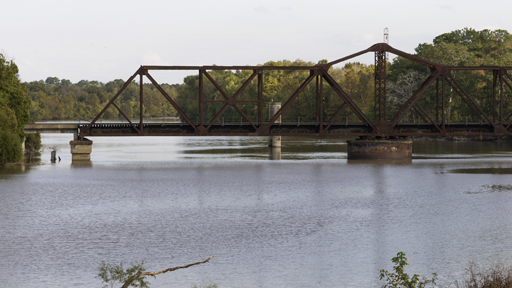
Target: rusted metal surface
[291,129]
[496,123]
[380,88]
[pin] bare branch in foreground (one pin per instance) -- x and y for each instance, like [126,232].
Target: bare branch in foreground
[142,274]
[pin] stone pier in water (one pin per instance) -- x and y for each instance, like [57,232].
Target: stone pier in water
[81,150]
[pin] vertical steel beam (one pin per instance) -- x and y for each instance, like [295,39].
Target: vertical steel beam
[437,100]
[494,78]
[141,104]
[443,109]
[317,101]
[260,97]
[321,102]
[201,97]
[380,87]
[501,96]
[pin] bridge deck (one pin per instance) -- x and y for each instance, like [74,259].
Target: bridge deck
[51,128]
[290,129]
[282,129]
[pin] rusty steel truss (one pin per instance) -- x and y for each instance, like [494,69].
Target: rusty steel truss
[496,124]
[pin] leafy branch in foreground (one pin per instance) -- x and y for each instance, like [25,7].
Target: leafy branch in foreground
[400,279]
[134,276]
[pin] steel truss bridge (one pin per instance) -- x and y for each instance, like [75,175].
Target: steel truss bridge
[441,78]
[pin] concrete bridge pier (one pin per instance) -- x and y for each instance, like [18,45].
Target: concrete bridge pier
[274,141]
[81,150]
[274,153]
[379,149]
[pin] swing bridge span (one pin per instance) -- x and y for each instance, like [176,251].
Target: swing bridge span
[493,121]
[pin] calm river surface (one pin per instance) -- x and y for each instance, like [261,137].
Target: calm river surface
[312,219]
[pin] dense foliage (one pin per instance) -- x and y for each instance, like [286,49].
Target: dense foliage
[466,47]
[113,275]
[56,99]
[399,279]
[14,106]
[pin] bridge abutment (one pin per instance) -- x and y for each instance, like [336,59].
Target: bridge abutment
[81,150]
[379,149]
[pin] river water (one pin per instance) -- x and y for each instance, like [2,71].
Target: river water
[312,219]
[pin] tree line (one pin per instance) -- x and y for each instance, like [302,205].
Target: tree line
[55,99]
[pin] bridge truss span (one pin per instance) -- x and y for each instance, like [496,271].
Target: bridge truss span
[425,112]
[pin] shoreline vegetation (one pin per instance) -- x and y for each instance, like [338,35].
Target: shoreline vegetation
[496,275]
[14,112]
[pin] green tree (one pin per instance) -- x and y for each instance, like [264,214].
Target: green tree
[65,82]
[14,112]
[466,47]
[52,81]
[33,142]
[10,149]
[490,48]
[113,275]
[400,279]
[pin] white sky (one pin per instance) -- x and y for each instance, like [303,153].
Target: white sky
[110,39]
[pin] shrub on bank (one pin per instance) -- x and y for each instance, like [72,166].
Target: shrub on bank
[399,279]
[10,149]
[497,276]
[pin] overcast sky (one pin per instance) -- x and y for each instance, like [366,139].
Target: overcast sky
[107,40]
